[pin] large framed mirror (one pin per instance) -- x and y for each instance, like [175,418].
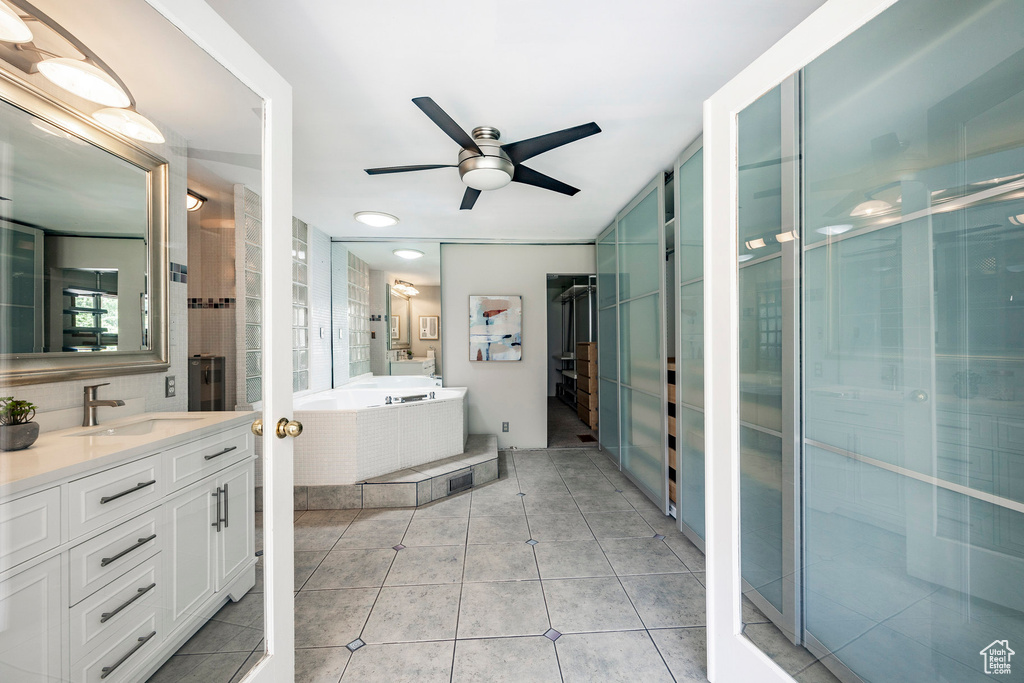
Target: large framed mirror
[83,245]
[399,319]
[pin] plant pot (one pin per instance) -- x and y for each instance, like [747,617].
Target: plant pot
[17,437]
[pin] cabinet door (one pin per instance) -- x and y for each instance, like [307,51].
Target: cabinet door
[190,517]
[236,542]
[30,621]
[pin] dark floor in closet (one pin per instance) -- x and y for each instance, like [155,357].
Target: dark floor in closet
[565,427]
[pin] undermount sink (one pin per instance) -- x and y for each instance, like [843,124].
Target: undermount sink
[138,428]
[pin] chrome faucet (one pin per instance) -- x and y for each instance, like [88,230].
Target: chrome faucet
[91,402]
[387,400]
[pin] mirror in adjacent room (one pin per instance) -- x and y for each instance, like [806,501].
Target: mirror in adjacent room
[392,321]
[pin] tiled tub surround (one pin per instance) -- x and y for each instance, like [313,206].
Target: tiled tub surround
[351,435]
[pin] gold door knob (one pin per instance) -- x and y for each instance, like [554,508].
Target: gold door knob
[257,427]
[286,427]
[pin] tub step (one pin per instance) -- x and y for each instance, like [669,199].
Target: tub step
[433,480]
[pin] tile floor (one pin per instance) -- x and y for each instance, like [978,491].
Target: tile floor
[468,597]
[565,427]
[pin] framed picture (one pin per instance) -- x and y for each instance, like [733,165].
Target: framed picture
[496,328]
[396,326]
[428,327]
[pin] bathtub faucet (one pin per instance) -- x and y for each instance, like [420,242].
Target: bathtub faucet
[387,401]
[431,394]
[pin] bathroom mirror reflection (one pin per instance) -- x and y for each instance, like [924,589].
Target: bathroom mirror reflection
[392,322]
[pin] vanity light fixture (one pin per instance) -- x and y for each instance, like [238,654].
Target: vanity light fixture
[787,236]
[130,123]
[408,254]
[872,207]
[1018,219]
[13,29]
[375,219]
[194,201]
[834,229]
[756,244]
[406,288]
[85,80]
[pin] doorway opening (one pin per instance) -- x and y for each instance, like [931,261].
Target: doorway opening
[572,361]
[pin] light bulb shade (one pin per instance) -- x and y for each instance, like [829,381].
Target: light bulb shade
[1018,219]
[12,28]
[129,123]
[85,80]
[408,254]
[834,229]
[405,288]
[193,201]
[871,207]
[375,219]
[486,178]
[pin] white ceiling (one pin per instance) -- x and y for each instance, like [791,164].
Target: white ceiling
[640,70]
[425,271]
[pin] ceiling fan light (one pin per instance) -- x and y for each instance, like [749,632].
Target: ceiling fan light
[871,207]
[486,178]
[834,229]
[408,254]
[375,219]
[745,257]
[12,28]
[1018,219]
[85,80]
[129,123]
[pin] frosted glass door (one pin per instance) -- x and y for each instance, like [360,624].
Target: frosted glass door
[690,354]
[642,402]
[608,344]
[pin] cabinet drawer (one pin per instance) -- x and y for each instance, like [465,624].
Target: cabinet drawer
[106,611]
[29,526]
[119,656]
[102,559]
[192,461]
[112,494]
[1011,435]
[964,429]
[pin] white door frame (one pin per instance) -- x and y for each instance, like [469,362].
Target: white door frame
[209,31]
[731,656]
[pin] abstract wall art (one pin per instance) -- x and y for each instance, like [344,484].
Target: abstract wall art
[496,328]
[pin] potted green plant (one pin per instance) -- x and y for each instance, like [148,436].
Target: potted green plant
[17,430]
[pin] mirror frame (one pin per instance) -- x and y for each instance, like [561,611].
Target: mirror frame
[39,368]
[393,344]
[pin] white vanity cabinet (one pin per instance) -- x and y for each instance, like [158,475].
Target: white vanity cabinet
[413,366]
[110,564]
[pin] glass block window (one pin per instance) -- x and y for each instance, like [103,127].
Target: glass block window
[358,316]
[253,302]
[300,305]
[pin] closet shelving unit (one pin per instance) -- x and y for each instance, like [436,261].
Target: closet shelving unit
[572,298]
[92,336]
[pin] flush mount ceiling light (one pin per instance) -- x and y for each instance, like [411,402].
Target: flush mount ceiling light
[834,229]
[85,80]
[745,257]
[375,219]
[1018,219]
[406,288]
[129,123]
[12,28]
[408,254]
[872,207]
[194,201]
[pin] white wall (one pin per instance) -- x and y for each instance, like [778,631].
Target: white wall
[426,303]
[513,392]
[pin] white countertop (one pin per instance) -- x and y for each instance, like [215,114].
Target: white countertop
[413,360]
[62,454]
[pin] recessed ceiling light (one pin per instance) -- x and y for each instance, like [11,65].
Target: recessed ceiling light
[834,229]
[375,219]
[85,80]
[409,254]
[12,28]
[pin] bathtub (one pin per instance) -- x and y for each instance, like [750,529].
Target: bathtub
[393,382]
[350,434]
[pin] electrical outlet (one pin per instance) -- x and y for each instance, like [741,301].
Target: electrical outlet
[169,386]
[504,426]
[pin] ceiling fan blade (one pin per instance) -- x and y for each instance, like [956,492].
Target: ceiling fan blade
[525,149]
[404,169]
[469,199]
[446,123]
[528,176]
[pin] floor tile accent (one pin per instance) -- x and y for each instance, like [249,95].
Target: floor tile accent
[355,644]
[552,635]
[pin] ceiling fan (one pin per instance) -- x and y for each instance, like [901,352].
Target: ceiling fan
[485,164]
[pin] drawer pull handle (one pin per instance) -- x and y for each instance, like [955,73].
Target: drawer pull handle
[107,670]
[217,455]
[138,487]
[142,541]
[142,591]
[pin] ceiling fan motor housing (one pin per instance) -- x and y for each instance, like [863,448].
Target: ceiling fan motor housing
[489,171]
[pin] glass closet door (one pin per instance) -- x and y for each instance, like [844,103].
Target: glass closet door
[641,364]
[608,343]
[690,354]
